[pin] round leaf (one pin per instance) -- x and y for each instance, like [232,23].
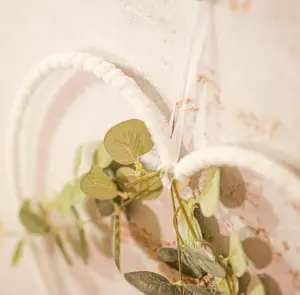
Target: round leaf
[255,286]
[128,140]
[105,207]
[97,184]
[101,157]
[202,259]
[127,174]
[151,283]
[70,195]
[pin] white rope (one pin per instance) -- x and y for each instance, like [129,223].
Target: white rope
[226,155]
[144,107]
[146,110]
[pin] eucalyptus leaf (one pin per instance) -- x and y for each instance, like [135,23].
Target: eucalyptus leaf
[77,160]
[128,140]
[105,207]
[170,257]
[198,290]
[101,157]
[255,286]
[31,221]
[97,184]
[152,186]
[210,194]
[237,257]
[116,239]
[70,195]
[151,283]
[17,254]
[223,287]
[202,259]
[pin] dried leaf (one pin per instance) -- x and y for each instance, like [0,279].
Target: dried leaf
[116,239]
[223,285]
[70,195]
[31,221]
[77,160]
[17,254]
[210,194]
[102,158]
[170,257]
[202,259]
[128,140]
[237,257]
[255,286]
[97,184]
[198,290]
[151,283]
[105,207]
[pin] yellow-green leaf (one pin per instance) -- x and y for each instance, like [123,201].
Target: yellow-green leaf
[33,223]
[237,257]
[102,158]
[77,160]
[17,254]
[223,287]
[210,194]
[98,185]
[70,195]
[255,286]
[128,140]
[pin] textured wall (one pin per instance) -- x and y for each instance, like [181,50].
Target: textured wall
[259,55]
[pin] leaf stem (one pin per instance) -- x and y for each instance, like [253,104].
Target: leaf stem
[145,177]
[228,279]
[61,247]
[175,224]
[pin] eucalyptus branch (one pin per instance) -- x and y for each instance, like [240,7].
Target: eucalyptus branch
[143,178]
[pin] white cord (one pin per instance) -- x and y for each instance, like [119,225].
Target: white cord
[241,157]
[144,107]
[146,110]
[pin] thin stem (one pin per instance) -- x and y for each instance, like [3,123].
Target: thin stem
[229,285]
[138,196]
[175,223]
[145,177]
[61,247]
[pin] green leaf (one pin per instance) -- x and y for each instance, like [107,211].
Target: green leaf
[31,221]
[198,290]
[202,259]
[116,239]
[237,257]
[102,158]
[170,257]
[17,254]
[210,194]
[77,160]
[60,245]
[128,140]
[222,285]
[105,207]
[152,186]
[70,195]
[255,286]
[97,184]
[151,283]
